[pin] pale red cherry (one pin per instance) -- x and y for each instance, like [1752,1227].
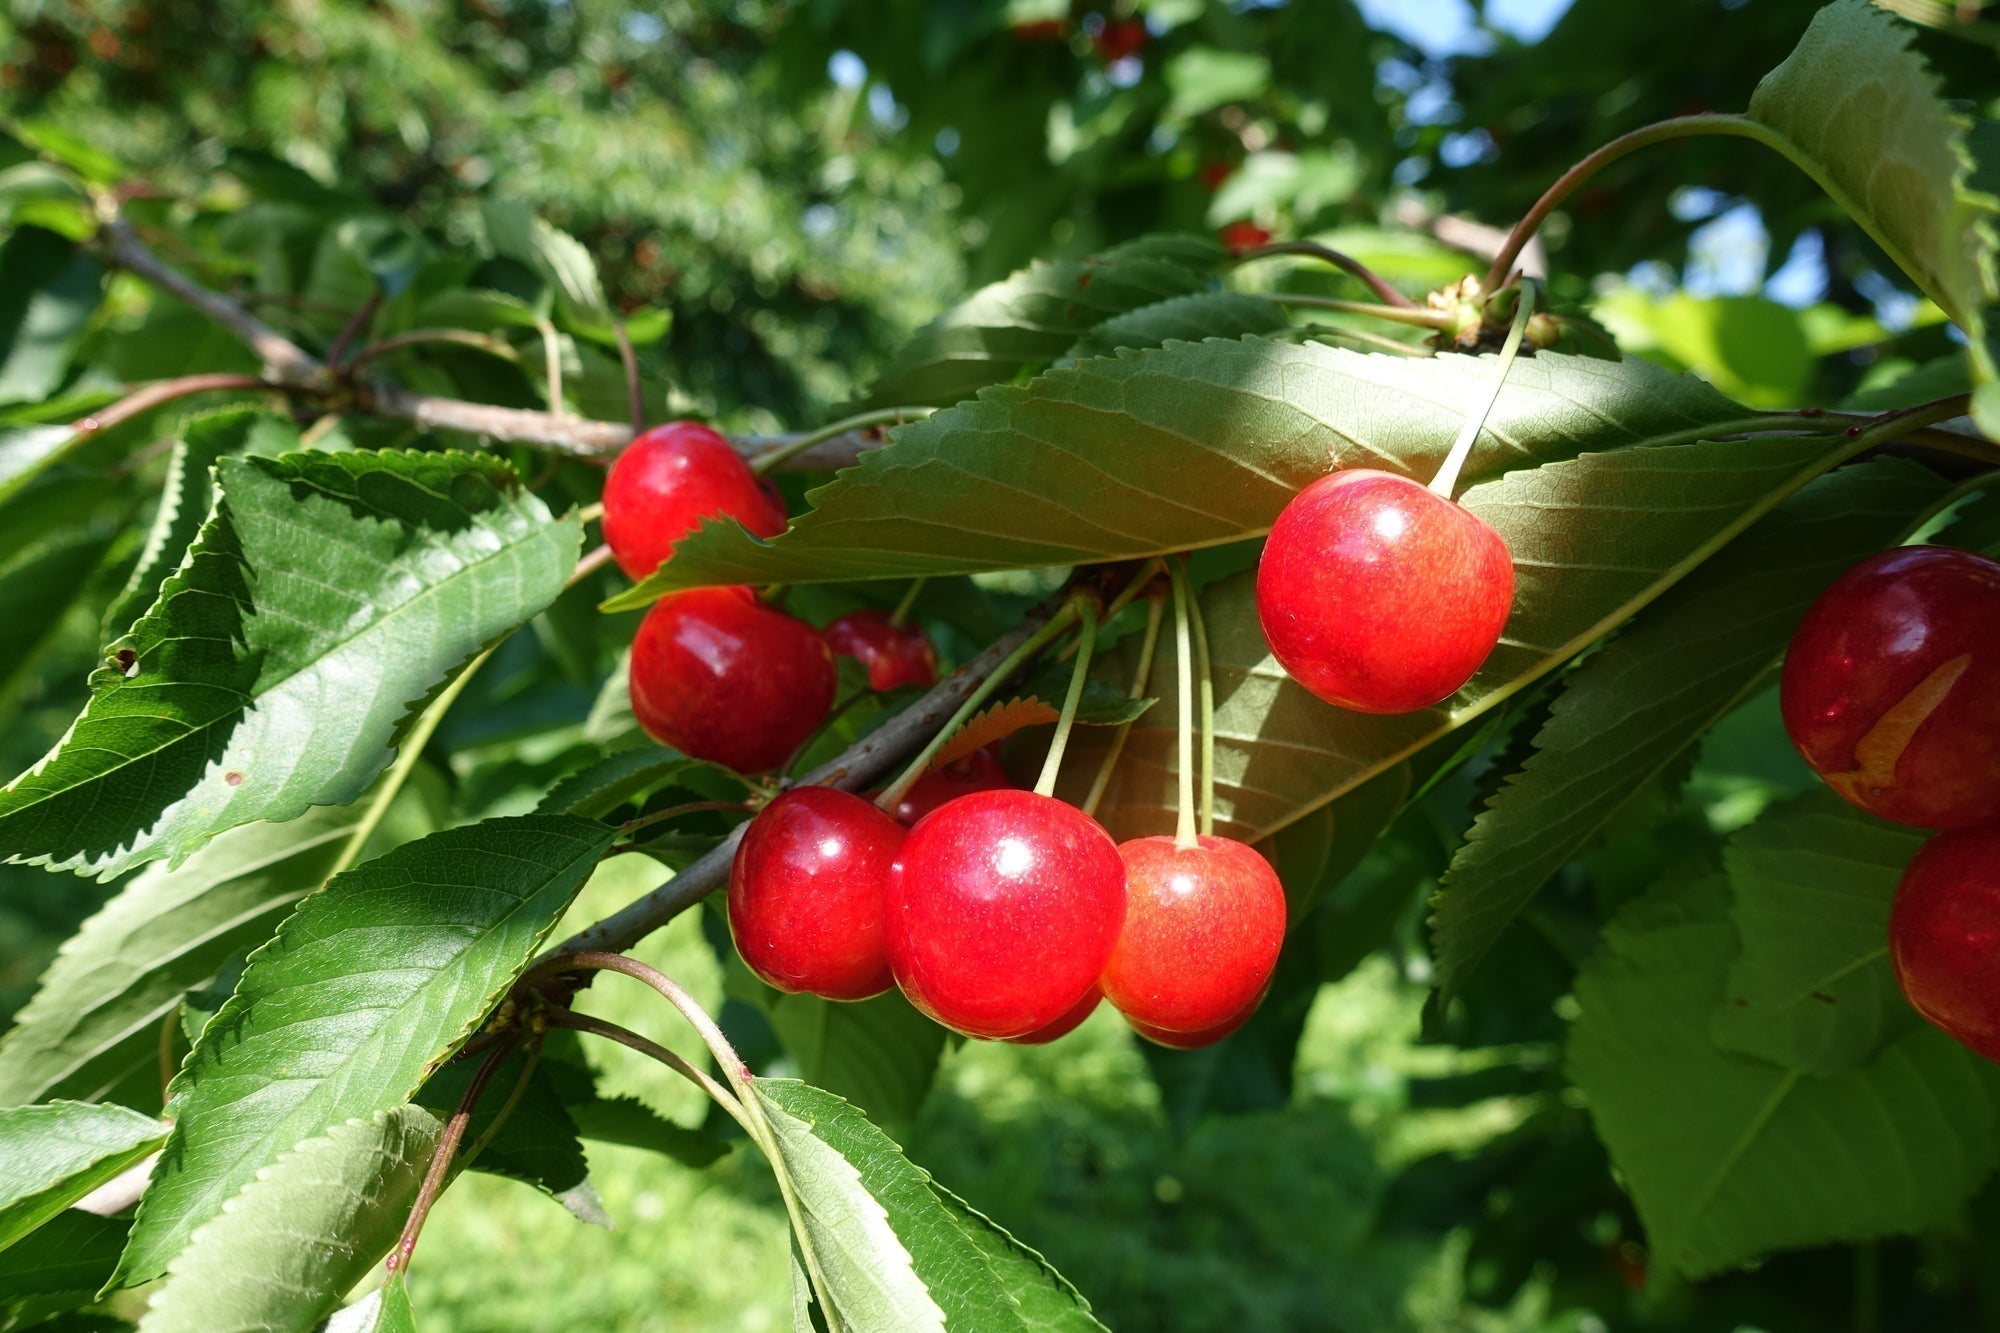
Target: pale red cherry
[718,675]
[1380,596]
[1944,935]
[1065,1025]
[1002,910]
[1203,927]
[894,654]
[805,893]
[671,478]
[1891,687]
[1194,1041]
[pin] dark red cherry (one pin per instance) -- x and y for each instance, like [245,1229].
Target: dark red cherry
[1891,687]
[1944,935]
[1194,1041]
[720,676]
[894,654]
[1203,926]
[671,478]
[1120,38]
[805,893]
[1065,1025]
[978,771]
[1002,910]
[1243,236]
[1380,596]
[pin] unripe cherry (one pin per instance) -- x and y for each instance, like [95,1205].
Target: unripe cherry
[667,481]
[1380,596]
[805,893]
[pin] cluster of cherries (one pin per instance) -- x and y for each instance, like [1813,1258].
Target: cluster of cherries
[1891,691]
[1001,913]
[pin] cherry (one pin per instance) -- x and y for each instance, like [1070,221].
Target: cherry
[1243,235]
[1944,936]
[894,654]
[1194,1041]
[1213,173]
[1203,926]
[1378,595]
[805,893]
[720,676]
[1891,686]
[1065,1025]
[671,478]
[978,771]
[1120,38]
[1002,910]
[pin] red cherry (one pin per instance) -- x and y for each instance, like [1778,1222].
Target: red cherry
[671,478]
[1380,596]
[1194,1041]
[1065,1025]
[1040,30]
[978,771]
[1203,926]
[894,654]
[1212,174]
[1120,38]
[805,893]
[1891,687]
[1944,936]
[720,676]
[1238,237]
[1002,910]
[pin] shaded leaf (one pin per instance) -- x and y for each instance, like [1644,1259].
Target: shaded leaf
[365,990]
[596,791]
[327,599]
[73,1251]
[282,1252]
[53,1154]
[1186,318]
[632,1123]
[1624,714]
[49,288]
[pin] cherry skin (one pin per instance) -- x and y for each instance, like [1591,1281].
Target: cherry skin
[718,675]
[1243,236]
[1379,596]
[1002,910]
[805,893]
[1891,687]
[1194,1041]
[1120,38]
[978,771]
[671,478]
[1203,926]
[894,654]
[1065,1025]
[1944,936]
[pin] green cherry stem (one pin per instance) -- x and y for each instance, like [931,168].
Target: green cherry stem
[1058,624]
[1204,676]
[1394,314]
[1446,479]
[887,416]
[1184,826]
[902,612]
[1148,643]
[1374,281]
[1086,641]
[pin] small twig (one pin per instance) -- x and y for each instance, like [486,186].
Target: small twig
[528,1066]
[160,392]
[1313,250]
[484,342]
[434,1179]
[356,325]
[597,1027]
[635,392]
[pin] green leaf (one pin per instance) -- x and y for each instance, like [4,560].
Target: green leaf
[39,587]
[932,1260]
[327,599]
[49,289]
[1184,318]
[1728,1158]
[1684,662]
[1027,320]
[365,990]
[73,1251]
[1593,539]
[281,1253]
[538,1142]
[189,495]
[596,791]
[632,1123]
[1202,78]
[513,230]
[54,1154]
[1812,989]
[26,450]
[1864,109]
[1197,444]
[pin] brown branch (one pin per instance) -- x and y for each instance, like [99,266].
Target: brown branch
[440,1168]
[149,396]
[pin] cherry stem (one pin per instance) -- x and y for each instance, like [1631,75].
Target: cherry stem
[149,396]
[598,1027]
[888,416]
[1086,640]
[1313,250]
[484,342]
[1395,314]
[675,811]
[1184,826]
[635,392]
[596,559]
[1446,479]
[1204,676]
[1127,595]
[440,1168]
[902,612]
[552,368]
[1057,624]
[1148,644]
[528,1066]
[825,725]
